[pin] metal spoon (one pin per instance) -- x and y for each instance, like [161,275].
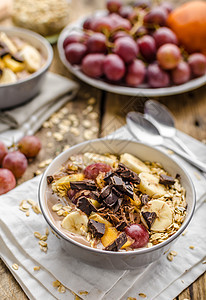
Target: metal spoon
[145,131]
[163,120]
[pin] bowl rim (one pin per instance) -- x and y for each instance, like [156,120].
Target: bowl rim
[42,40]
[130,252]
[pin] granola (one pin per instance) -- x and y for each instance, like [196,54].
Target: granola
[116,203]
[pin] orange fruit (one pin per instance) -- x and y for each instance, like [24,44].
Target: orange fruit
[188,21]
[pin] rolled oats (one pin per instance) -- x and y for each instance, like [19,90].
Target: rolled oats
[15,267]
[36,268]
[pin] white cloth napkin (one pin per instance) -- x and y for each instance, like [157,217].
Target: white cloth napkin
[160,280]
[28,118]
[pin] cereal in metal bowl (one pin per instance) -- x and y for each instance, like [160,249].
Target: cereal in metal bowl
[18,59]
[115,202]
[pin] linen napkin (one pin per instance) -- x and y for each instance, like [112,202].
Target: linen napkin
[28,118]
[160,280]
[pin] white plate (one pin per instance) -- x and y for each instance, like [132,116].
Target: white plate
[119,89]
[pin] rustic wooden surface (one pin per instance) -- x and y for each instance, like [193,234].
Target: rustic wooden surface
[189,110]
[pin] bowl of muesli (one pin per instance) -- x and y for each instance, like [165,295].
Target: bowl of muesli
[116,203]
[25,58]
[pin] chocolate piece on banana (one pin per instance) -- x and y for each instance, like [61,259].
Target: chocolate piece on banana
[144,199]
[121,226]
[164,215]
[96,228]
[149,218]
[166,180]
[85,205]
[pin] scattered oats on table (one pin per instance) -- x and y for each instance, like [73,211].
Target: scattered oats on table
[142,295]
[83,293]
[36,268]
[15,266]
[170,257]
[37,235]
[191,247]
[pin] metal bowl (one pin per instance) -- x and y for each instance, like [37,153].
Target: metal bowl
[23,90]
[109,259]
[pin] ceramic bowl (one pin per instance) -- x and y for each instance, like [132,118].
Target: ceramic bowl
[109,259]
[23,90]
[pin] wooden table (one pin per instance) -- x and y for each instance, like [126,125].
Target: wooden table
[189,110]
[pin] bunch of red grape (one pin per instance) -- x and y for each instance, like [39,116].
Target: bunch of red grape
[14,163]
[132,45]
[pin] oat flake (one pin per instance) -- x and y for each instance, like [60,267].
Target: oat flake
[15,266]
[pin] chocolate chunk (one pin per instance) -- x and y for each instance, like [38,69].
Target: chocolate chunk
[110,200]
[166,180]
[129,190]
[144,199]
[96,228]
[105,191]
[118,243]
[83,185]
[118,193]
[85,205]
[149,218]
[178,177]
[49,179]
[108,176]
[117,205]
[117,182]
[121,226]
[127,175]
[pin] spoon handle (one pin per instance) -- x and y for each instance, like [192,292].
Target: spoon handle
[194,161]
[179,142]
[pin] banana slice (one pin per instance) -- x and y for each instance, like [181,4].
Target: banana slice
[8,76]
[149,185]
[31,57]
[164,215]
[74,222]
[133,163]
[10,45]
[90,158]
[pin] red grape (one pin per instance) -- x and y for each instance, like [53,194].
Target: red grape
[73,38]
[96,43]
[139,234]
[92,171]
[125,11]
[7,181]
[16,162]
[157,16]
[120,34]
[157,77]
[168,56]
[30,146]
[92,64]
[119,23]
[126,48]
[167,6]
[197,63]
[114,5]
[87,23]
[135,73]
[141,31]
[164,35]
[102,24]
[3,151]
[147,47]
[114,67]
[75,52]
[142,4]
[181,73]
